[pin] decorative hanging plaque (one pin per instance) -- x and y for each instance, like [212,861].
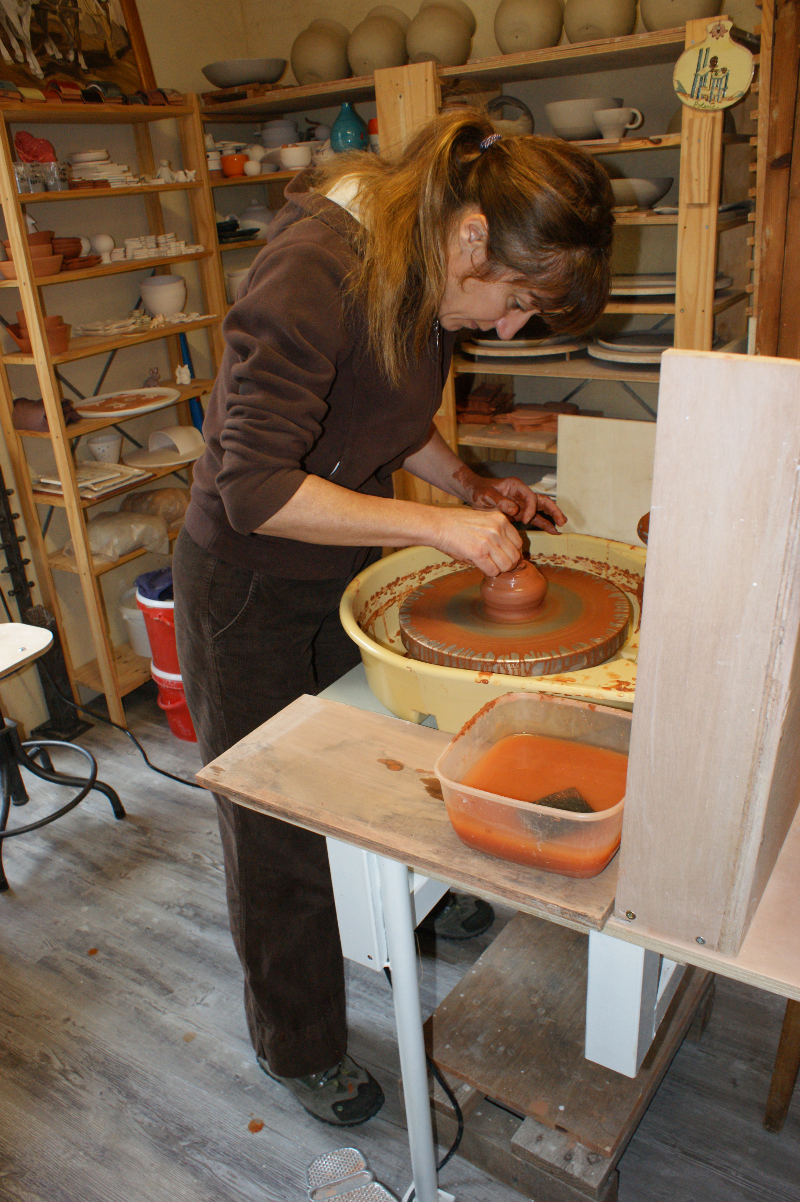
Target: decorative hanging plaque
[716,73]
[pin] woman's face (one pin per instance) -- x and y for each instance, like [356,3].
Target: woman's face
[468,303]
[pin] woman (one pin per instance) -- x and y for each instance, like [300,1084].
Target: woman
[337,350]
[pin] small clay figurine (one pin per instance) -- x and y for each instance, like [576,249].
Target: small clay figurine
[154,379]
[183,375]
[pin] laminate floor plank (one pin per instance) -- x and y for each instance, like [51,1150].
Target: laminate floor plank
[126,1074]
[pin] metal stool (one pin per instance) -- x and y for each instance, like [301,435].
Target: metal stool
[19,646]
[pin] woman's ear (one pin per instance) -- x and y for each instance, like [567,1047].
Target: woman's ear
[473,236]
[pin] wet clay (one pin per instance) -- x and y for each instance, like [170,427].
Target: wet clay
[566,859]
[528,767]
[514,596]
[582,621]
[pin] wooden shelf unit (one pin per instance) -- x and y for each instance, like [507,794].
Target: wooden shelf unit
[115,671]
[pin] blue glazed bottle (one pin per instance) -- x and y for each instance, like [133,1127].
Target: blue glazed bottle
[348,131]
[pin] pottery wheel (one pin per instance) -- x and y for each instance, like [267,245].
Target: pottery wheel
[582,622]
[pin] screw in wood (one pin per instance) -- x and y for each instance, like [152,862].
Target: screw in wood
[629,914]
[700,940]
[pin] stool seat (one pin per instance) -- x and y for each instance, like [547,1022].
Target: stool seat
[21,645]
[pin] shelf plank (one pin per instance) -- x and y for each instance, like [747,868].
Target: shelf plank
[88,425]
[620,145]
[27,198]
[96,273]
[607,54]
[84,348]
[90,114]
[241,245]
[64,563]
[505,438]
[132,670]
[58,500]
[722,301]
[272,177]
[577,368]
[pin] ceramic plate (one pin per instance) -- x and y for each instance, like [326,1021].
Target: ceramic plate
[127,404]
[165,458]
[514,351]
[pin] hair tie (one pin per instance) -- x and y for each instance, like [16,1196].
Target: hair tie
[490,141]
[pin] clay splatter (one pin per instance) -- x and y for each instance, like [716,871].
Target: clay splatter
[92,951]
[432,787]
[189,1036]
[392,765]
[255,1125]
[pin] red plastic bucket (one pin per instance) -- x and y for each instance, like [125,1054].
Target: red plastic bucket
[159,619]
[172,700]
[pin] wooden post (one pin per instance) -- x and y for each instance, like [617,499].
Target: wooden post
[714,768]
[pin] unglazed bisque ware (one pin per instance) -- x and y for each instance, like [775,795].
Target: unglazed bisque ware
[668,14]
[591,20]
[458,6]
[518,126]
[574,120]
[394,14]
[319,54]
[527,24]
[439,34]
[375,43]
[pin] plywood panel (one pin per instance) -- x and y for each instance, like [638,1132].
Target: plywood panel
[714,769]
[605,475]
[368,779]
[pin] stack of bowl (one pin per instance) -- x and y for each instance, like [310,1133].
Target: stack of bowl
[70,248]
[56,330]
[277,133]
[45,262]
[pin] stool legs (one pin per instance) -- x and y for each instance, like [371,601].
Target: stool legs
[13,755]
[787,1065]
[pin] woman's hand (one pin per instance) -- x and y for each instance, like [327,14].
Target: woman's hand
[512,498]
[486,539]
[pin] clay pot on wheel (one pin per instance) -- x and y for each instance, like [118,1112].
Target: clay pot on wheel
[527,24]
[590,20]
[514,596]
[667,14]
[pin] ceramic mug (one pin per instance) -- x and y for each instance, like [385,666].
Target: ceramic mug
[107,448]
[233,164]
[614,123]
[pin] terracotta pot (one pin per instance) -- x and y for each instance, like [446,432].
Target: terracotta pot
[590,20]
[377,42]
[458,6]
[668,14]
[527,24]
[57,338]
[438,33]
[514,596]
[233,164]
[319,55]
[49,322]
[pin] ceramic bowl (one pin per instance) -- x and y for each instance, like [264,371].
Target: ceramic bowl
[37,249]
[57,338]
[643,193]
[50,323]
[81,263]
[41,236]
[50,265]
[294,158]
[163,294]
[233,164]
[235,72]
[70,248]
[573,120]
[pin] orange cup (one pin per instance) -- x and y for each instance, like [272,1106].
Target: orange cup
[233,164]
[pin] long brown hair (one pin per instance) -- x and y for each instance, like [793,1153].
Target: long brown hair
[548,209]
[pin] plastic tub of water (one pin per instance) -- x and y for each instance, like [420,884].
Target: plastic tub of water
[552,839]
[133,618]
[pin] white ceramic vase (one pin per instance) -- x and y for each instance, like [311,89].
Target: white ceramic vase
[590,20]
[375,43]
[319,55]
[668,14]
[527,24]
[440,34]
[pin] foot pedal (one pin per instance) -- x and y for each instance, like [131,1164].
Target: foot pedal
[345,1176]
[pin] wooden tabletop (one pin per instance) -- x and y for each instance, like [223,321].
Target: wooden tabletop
[365,778]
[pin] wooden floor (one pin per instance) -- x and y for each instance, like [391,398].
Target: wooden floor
[125,1070]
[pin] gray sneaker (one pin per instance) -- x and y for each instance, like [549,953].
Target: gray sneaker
[343,1096]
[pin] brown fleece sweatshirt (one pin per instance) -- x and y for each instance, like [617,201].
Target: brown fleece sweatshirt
[298,394]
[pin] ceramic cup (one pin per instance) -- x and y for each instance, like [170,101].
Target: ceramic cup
[615,123]
[107,447]
[295,157]
[574,120]
[233,280]
[233,164]
[164,294]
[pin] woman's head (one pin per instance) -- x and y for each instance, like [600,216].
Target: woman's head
[447,221]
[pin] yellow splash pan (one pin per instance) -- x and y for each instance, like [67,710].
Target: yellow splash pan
[412,689]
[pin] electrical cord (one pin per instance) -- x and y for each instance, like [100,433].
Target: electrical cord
[451,1097]
[83,709]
